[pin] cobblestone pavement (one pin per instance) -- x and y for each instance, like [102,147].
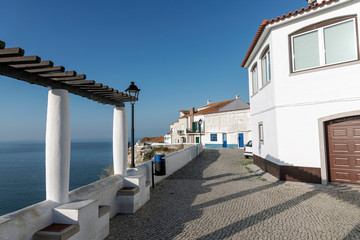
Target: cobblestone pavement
[216,196]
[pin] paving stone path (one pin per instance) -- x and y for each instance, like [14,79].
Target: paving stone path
[216,196]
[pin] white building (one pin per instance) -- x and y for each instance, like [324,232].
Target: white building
[167,138]
[223,125]
[304,86]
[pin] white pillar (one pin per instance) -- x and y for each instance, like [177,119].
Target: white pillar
[120,141]
[58,146]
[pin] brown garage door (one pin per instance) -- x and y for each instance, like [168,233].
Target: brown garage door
[344,150]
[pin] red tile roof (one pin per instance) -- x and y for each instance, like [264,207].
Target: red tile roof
[159,139]
[267,22]
[210,108]
[152,139]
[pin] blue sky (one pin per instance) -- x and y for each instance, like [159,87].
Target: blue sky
[178,52]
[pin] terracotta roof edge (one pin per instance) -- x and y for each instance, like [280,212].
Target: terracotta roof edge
[285,16]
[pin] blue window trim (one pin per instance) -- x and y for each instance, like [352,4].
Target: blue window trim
[213,137]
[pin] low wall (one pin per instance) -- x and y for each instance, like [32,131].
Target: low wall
[174,161]
[24,223]
[104,191]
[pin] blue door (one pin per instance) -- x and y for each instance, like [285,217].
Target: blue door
[241,140]
[224,140]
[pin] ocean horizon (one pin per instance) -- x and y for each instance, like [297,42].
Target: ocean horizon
[22,169]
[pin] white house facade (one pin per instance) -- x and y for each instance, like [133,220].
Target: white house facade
[223,124]
[227,129]
[304,86]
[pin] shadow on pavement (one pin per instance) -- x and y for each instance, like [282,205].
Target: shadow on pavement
[259,217]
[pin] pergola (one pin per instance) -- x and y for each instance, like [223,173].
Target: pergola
[33,70]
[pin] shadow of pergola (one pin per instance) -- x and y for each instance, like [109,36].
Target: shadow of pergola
[173,205]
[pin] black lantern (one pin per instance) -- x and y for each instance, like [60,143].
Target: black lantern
[133,91]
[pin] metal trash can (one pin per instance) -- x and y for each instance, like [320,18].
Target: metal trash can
[160,167]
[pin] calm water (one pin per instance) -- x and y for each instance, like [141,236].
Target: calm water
[22,170]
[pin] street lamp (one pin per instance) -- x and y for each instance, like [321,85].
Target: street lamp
[200,122]
[133,91]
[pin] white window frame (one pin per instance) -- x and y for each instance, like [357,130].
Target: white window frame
[255,72]
[213,137]
[321,42]
[266,75]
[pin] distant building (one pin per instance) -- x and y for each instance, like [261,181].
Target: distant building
[305,101]
[150,140]
[224,125]
[167,138]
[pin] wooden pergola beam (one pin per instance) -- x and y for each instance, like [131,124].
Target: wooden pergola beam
[11,52]
[59,74]
[80,82]
[96,86]
[77,77]
[16,60]
[44,70]
[41,64]
[100,90]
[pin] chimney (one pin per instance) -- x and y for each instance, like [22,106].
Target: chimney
[237,96]
[312,2]
[192,110]
[208,102]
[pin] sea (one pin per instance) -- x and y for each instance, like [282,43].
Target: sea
[22,170]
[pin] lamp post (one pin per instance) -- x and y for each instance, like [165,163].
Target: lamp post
[200,122]
[133,91]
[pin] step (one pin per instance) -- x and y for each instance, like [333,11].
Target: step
[128,191]
[103,209]
[57,231]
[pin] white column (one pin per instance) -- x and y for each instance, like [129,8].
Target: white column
[58,146]
[120,141]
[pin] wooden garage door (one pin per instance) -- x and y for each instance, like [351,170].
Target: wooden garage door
[344,150]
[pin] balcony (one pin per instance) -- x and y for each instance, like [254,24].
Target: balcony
[193,131]
[181,132]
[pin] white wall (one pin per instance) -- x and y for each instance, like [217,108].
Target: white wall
[104,191]
[174,161]
[291,104]
[23,223]
[232,123]
[180,125]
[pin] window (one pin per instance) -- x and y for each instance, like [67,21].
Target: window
[213,137]
[255,84]
[261,132]
[265,68]
[324,44]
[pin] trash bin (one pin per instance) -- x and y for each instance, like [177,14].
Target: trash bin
[160,167]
